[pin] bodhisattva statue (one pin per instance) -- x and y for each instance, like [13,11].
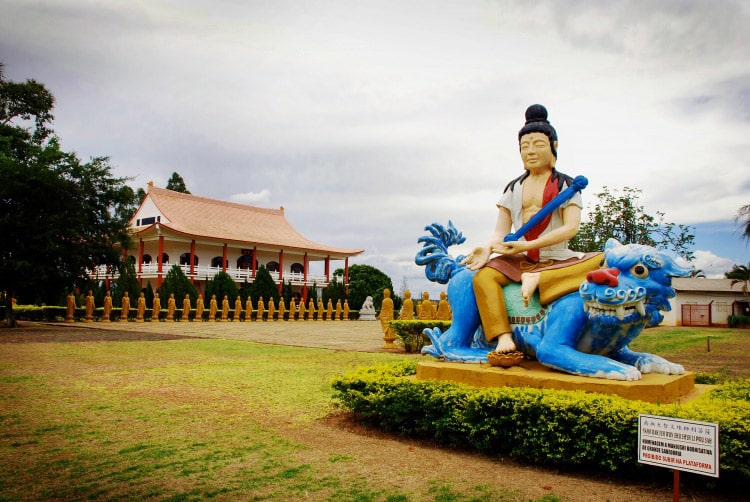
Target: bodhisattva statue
[565,310]
[237,309]
[346,309]
[90,307]
[186,308]
[156,308]
[427,310]
[213,307]
[386,316]
[329,310]
[171,307]
[107,307]
[321,309]
[338,309]
[71,308]
[292,310]
[271,309]
[225,308]
[140,308]
[125,309]
[261,309]
[199,308]
[282,309]
[301,309]
[249,309]
[407,308]
[311,310]
[444,308]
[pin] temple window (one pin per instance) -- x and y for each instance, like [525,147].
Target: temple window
[185,259]
[272,266]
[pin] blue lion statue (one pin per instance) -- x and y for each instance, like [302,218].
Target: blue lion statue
[585,333]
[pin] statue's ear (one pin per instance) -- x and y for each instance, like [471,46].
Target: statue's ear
[611,244]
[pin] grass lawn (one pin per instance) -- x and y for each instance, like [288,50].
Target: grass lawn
[171,420]
[195,419]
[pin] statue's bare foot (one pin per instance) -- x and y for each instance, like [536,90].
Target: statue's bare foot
[505,344]
[529,283]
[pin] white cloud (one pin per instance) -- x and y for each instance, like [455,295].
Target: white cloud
[712,266]
[252,198]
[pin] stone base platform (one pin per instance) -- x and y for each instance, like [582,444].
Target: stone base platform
[653,388]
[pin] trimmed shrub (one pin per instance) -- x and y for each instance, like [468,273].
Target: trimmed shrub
[544,427]
[411,332]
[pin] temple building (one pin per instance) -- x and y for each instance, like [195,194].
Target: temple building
[206,236]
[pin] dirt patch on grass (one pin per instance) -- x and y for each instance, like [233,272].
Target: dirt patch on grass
[44,333]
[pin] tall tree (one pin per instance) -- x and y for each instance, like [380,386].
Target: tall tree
[222,284]
[177,283]
[264,286]
[619,215]
[49,243]
[740,274]
[176,183]
[743,221]
[364,281]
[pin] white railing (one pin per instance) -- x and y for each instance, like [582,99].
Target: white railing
[151,271]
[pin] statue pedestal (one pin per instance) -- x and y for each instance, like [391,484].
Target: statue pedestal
[367,317]
[652,388]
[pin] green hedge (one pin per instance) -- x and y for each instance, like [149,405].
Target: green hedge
[735,321]
[410,332]
[544,427]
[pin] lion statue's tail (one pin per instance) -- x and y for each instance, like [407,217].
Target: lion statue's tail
[440,266]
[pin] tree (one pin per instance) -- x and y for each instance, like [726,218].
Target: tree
[222,284]
[177,283]
[364,281]
[740,274]
[335,291]
[619,215]
[743,221]
[50,243]
[264,286]
[126,282]
[177,184]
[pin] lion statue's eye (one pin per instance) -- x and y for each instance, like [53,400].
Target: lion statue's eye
[603,264]
[639,271]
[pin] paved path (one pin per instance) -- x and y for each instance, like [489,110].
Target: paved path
[356,336]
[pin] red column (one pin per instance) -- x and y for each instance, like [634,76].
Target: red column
[141,247]
[304,283]
[328,269]
[255,261]
[159,261]
[346,275]
[281,270]
[192,259]
[224,258]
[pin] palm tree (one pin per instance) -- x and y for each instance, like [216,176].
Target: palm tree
[740,274]
[743,221]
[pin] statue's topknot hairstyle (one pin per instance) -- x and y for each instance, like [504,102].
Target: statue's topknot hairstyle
[536,121]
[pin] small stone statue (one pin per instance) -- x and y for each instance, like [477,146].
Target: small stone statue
[186,308]
[140,308]
[367,312]
[90,307]
[156,309]
[125,307]
[107,307]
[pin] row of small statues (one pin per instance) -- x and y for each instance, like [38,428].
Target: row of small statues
[425,310]
[270,312]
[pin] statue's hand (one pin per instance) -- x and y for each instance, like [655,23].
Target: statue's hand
[477,259]
[510,247]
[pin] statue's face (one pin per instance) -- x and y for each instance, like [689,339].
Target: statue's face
[536,151]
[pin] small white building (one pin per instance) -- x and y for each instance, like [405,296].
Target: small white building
[705,302]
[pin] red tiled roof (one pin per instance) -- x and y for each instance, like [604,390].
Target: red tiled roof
[216,219]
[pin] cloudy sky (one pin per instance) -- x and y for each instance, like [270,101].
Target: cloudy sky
[368,120]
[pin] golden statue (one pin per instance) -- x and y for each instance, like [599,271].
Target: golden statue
[444,308]
[407,308]
[171,307]
[282,309]
[329,310]
[311,310]
[107,307]
[156,309]
[186,308]
[71,308]
[249,309]
[199,307]
[212,308]
[301,309]
[321,310]
[338,309]
[427,311]
[225,309]
[271,309]
[346,309]
[386,316]
[292,310]
[261,309]
[140,308]
[237,309]
[90,307]
[125,309]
